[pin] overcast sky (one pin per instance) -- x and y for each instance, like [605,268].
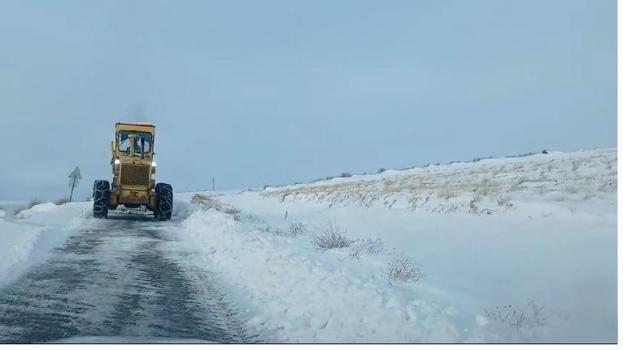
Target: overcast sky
[274,92]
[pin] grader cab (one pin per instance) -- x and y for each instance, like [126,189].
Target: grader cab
[134,175]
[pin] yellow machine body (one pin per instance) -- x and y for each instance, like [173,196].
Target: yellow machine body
[133,166]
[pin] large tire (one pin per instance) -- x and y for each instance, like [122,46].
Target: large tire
[164,205]
[101,198]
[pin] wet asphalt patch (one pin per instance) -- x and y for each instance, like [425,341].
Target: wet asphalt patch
[116,280]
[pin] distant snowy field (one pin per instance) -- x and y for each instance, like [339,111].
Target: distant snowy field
[486,186]
[500,250]
[514,249]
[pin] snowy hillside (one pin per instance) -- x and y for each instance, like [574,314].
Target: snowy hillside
[476,187]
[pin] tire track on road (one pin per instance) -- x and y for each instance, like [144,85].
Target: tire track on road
[116,280]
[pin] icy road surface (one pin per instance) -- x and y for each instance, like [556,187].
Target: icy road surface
[120,279]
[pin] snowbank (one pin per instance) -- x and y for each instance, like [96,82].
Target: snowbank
[294,293]
[36,209]
[27,239]
[17,245]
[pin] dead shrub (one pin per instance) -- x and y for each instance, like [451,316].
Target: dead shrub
[368,246]
[528,316]
[231,211]
[331,236]
[297,228]
[405,270]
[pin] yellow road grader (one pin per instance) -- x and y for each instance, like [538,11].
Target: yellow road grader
[134,175]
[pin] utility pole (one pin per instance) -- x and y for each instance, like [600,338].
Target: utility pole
[212,184]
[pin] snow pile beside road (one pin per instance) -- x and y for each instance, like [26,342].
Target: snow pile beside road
[36,209]
[493,278]
[18,242]
[27,239]
[293,292]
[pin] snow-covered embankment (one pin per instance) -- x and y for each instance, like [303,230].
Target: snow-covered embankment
[517,249]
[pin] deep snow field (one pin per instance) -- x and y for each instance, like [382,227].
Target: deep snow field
[501,250]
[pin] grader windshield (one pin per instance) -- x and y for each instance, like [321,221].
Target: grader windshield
[142,142]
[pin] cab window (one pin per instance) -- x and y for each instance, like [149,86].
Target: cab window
[142,141]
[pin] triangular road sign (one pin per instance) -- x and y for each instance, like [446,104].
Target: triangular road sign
[75,174]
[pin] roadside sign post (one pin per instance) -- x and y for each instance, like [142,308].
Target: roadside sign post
[73,182]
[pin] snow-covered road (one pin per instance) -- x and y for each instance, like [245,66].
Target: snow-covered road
[119,278]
